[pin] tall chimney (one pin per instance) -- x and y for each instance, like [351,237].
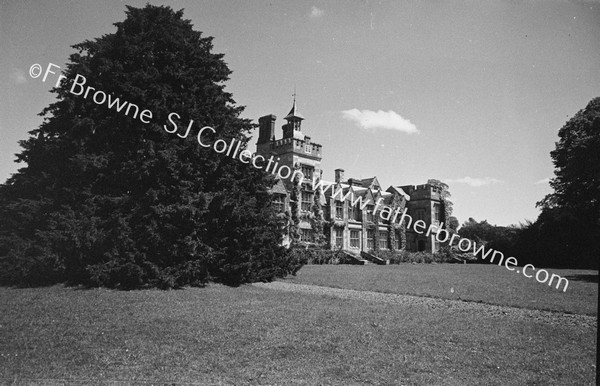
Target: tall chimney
[339,175]
[266,131]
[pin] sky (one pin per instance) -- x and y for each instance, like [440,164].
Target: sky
[472,93]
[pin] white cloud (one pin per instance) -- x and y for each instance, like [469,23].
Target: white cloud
[18,76]
[390,120]
[543,181]
[316,12]
[475,182]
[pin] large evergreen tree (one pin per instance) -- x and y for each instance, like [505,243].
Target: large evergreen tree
[105,199]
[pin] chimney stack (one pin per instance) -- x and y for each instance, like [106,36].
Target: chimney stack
[266,129]
[339,175]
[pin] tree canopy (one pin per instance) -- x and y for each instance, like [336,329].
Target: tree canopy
[567,232]
[105,199]
[577,164]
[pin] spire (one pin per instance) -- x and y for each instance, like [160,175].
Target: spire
[294,115]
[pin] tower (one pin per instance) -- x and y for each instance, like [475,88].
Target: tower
[292,129]
[294,149]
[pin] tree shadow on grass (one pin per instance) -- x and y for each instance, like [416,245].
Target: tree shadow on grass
[587,277]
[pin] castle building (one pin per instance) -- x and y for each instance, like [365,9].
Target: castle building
[349,205]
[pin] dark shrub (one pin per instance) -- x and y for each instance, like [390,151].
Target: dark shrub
[311,255]
[409,257]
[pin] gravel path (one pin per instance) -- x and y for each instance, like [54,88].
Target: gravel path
[550,317]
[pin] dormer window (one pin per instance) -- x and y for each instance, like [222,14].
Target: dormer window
[278,203]
[370,209]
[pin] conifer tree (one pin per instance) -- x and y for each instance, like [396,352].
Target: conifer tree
[105,199]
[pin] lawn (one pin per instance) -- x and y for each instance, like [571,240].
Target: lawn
[250,336]
[485,283]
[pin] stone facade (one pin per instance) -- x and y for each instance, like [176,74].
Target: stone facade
[425,204]
[346,226]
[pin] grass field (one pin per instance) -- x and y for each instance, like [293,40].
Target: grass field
[485,283]
[251,335]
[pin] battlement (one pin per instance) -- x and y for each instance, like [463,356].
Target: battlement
[302,146]
[423,192]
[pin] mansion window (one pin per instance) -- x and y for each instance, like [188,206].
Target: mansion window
[307,148]
[370,240]
[370,209]
[339,237]
[354,239]
[350,212]
[307,171]
[436,212]
[278,203]
[306,235]
[306,201]
[339,210]
[398,241]
[420,214]
[383,240]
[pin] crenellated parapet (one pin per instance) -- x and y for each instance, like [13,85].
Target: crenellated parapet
[423,192]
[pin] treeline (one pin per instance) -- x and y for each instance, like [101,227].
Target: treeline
[557,239]
[567,232]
